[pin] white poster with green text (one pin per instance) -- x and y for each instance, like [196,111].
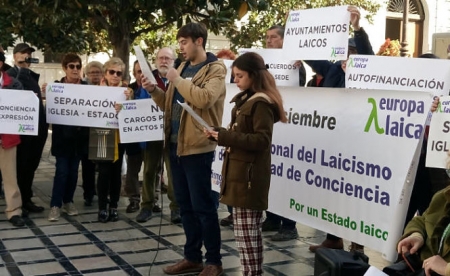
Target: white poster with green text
[317,34]
[19,112]
[83,105]
[396,73]
[438,145]
[344,163]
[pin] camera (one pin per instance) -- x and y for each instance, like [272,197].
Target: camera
[31,60]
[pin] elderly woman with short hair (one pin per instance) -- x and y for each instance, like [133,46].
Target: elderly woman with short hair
[94,72]
[69,143]
[109,178]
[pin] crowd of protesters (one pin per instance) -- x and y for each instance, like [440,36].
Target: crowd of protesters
[186,150]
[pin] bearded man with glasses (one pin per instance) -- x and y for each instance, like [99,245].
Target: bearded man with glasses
[29,151]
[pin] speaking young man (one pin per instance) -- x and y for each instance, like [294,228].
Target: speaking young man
[199,82]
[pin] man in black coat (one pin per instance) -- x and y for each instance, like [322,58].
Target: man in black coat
[29,151]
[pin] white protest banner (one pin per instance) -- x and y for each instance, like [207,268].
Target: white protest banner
[140,121]
[83,105]
[285,72]
[317,34]
[337,168]
[146,70]
[396,73]
[439,137]
[19,112]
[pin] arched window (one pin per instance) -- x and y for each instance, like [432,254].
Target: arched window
[396,6]
[394,20]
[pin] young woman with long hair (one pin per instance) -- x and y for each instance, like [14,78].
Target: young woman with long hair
[246,168]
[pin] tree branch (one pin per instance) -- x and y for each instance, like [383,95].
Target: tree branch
[100,19]
[199,14]
[133,35]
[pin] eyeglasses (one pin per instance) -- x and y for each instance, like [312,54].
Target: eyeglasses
[94,73]
[112,72]
[165,58]
[72,66]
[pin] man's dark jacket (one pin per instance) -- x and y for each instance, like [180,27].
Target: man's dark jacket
[30,81]
[333,75]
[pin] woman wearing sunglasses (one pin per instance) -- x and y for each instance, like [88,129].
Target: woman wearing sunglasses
[113,71]
[69,143]
[109,178]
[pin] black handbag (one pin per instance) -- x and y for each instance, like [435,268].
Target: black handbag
[339,262]
[402,269]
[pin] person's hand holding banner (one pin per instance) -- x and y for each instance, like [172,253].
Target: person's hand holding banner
[355,15]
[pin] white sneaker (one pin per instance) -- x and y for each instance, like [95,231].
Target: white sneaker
[54,214]
[70,209]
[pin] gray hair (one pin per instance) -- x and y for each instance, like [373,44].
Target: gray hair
[112,62]
[95,64]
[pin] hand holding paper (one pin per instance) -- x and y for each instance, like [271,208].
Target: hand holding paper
[211,134]
[147,84]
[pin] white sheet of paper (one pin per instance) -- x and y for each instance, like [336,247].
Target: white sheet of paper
[195,116]
[146,70]
[373,271]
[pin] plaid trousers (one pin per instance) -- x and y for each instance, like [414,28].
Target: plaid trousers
[247,232]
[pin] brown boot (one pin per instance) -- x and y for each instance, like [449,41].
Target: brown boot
[327,243]
[355,247]
[212,270]
[182,267]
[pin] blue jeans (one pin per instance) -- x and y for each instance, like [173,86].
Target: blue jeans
[192,187]
[65,180]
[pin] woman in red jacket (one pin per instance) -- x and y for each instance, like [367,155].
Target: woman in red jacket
[8,143]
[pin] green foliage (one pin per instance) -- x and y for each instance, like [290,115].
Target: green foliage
[97,25]
[86,26]
[273,12]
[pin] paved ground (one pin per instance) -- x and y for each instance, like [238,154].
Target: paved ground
[80,245]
